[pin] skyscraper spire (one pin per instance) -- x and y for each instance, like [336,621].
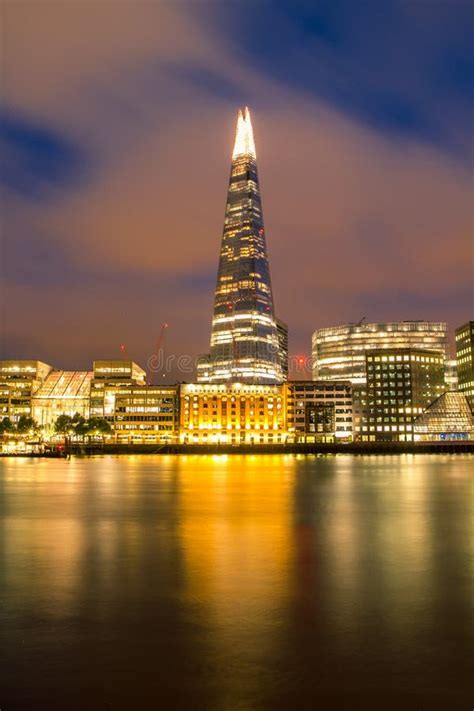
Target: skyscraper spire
[244,141]
[244,337]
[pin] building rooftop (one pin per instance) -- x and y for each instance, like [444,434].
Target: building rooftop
[396,326]
[65,384]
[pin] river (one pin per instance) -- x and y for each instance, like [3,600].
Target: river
[236,582]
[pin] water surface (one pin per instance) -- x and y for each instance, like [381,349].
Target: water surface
[236,582]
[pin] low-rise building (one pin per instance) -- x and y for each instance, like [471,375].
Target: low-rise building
[447,418]
[232,413]
[19,380]
[319,411]
[63,392]
[110,379]
[146,415]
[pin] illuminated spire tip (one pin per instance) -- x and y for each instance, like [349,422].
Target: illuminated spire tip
[244,142]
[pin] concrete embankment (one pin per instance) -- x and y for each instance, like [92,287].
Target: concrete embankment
[299,448]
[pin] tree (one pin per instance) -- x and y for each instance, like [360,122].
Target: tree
[75,426]
[98,426]
[63,424]
[78,426]
[81,426]
[26,424]
[6,425]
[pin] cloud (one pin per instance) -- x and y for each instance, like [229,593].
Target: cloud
[401,67]
[137,101]
[37,161]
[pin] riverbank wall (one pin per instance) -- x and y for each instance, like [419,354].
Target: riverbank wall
[361,448]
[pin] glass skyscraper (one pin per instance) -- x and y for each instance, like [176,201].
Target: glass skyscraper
[244,335]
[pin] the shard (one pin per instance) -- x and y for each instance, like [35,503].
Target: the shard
[244,336]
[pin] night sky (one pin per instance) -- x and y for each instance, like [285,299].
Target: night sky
[116,137]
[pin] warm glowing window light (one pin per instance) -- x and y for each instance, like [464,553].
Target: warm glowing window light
[244,141]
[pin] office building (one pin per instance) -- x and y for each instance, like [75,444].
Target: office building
[451,374]
[244,337]
[19,380]
[339,352]
[319,411]
[464,336]
[401,383]
[111,378]
[146,415]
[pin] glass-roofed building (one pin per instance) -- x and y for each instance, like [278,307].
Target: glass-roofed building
[447,418]
[62,393]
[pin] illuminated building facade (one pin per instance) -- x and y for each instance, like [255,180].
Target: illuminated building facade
[203,367]
[61,393]
[239,413]
[339,352]
[319,411]
[111,378]
[464,336]
[282,333]
[147,414]
[401,383]
[447,418]
[451,374]
[244,336]
[19,380]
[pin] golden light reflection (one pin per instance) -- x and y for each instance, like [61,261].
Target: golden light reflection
[380,526]
[243,563]
[46,560]
[236,537]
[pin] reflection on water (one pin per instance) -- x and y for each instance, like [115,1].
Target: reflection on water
[228,582]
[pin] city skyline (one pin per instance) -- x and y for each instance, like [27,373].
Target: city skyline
[236,354]
[93,195]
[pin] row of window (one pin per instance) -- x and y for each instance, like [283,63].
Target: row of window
[144,418]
